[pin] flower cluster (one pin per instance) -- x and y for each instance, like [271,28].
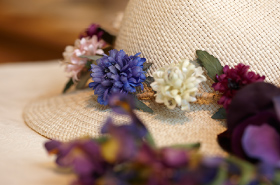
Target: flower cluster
[75,64]
[117,73]
[232,80]
[253,124]
[178,84]
[128,155]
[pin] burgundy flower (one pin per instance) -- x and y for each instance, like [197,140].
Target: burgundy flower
[232,80]
[93,29]
[253,125]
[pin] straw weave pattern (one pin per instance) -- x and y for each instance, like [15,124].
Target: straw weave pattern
[78,114]
[165,31]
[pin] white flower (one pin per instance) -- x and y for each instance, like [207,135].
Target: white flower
[85,46]
[177,85]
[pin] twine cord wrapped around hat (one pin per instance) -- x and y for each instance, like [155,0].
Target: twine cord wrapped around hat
[149,94]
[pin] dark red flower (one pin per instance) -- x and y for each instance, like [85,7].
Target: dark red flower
[232,80]
[93,29]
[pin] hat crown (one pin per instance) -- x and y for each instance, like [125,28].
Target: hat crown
[166,31]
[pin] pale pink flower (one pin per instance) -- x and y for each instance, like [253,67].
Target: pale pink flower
[86,46]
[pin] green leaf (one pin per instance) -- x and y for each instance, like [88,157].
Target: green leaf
[91,57]
[149,80]
[210,63]
[221,114]
[187,146]
[68,85]
[83,80]
[88,64]
[142,106]
[146,66]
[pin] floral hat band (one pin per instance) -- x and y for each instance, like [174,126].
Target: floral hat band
[187,93]
[173,85]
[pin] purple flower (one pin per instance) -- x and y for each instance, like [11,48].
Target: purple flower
[175,158]
[265,148]
[93,29]
[124,156]
[253,124]
[124,137]
[122,144]
[121,103]
[124,104]
[232,80]
[170,165]
[83,156]
[117,73]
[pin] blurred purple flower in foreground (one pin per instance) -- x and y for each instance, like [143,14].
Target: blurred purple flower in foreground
[83,156]
[93,29]
[253,124]
[92,159]
[232,80]
[117,73]
[126,156]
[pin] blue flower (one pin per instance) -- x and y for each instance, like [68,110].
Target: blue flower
[117,73]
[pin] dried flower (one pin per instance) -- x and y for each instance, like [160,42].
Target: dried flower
[177,84]
[92,30]
[232,80]
[117,73]
[86,46]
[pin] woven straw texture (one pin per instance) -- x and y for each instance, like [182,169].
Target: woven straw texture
[165,31]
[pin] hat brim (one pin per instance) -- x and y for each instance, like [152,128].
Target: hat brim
[78,114]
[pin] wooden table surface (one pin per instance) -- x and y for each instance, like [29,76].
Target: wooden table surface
[32,30]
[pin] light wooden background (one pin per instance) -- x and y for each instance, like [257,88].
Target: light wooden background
[32,30]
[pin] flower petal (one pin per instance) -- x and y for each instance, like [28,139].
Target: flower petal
[113,69]
[93,85]
[262,142]
[276,102]
[175,158]
[107,83]
[52,145]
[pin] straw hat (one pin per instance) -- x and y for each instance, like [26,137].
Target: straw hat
[166,31]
